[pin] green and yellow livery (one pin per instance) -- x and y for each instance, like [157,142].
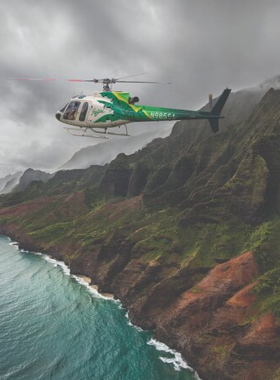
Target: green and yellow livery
[109,109]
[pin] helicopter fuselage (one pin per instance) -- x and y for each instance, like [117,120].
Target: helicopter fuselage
[106,109]
[111,109]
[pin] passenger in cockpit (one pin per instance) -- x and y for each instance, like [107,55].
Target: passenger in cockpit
[133,100]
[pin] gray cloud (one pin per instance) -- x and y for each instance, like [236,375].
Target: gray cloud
[200,47]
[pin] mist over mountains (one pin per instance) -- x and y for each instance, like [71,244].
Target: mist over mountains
[100,154]
[105,152]
[244,100]
[185,232]
[8,182]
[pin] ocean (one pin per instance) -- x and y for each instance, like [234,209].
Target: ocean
[54,326]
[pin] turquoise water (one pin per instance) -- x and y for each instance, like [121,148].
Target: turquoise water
[54,327]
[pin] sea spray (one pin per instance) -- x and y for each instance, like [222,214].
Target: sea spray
[177,361]
[131,324]
[124,349]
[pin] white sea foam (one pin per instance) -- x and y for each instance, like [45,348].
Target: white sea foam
[14,244]
[177,361]
[80,280]
[92,290]
[66,271]
[36,253]
[136,327]
[131,324]
[57,263]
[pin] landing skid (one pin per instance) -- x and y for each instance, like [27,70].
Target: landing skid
[85,134]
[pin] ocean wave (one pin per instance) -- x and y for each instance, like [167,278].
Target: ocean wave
[45,325]
[131,324]
[66,271]
[14,244]
[177,361]
[91,290]
[35,253]
[57,263]
[79,279]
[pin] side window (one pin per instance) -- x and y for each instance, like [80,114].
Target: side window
[71,111]
[84,112]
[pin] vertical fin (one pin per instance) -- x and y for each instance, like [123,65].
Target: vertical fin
[217,109]
[214,123]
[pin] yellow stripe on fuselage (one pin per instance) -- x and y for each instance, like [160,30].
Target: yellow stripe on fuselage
[119,96]
[146,113]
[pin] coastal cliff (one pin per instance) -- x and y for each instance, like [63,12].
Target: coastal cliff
[183,232]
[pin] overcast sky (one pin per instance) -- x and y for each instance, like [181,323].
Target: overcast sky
[200,46]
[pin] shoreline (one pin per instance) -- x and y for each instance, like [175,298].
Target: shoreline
[95,287]
[178,362]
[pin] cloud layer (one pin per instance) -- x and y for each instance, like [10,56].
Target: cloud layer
[200,47]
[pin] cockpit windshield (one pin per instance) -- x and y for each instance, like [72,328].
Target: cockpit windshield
[71,111]
[63,108]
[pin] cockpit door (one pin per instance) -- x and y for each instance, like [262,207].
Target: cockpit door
[83,113]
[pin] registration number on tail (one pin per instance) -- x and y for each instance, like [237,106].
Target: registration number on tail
[162,115]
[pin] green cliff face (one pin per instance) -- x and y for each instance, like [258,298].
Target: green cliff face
[184,232]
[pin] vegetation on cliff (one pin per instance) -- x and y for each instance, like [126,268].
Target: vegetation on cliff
[184,232]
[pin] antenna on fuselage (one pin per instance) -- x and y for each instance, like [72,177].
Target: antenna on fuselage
[210,101]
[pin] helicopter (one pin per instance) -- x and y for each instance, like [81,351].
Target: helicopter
[88,114]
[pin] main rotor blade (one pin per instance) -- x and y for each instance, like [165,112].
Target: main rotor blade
[131,81]
[130,76]
[103,80]
[112,80]
[83,80]
[35,79]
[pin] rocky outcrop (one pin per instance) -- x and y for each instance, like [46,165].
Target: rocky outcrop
[165,230]
[214,322]
[31,175]
[245,192]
